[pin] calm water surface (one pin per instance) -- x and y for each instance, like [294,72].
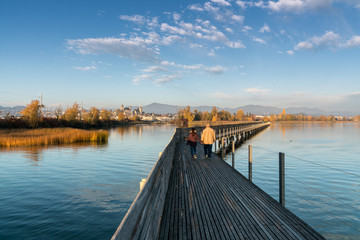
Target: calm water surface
[322,170]
[84,191]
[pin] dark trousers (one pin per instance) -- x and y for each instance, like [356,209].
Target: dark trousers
[193,150]
[207,149]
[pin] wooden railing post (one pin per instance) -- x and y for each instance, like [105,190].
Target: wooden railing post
[233,152]
[282,178]
[250,163]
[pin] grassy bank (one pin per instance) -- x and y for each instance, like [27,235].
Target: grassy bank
[50,136]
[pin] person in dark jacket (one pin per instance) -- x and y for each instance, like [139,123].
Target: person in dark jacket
[192,140]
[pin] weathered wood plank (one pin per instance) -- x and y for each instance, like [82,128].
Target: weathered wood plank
[187,198]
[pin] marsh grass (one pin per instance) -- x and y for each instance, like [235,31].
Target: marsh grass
[50,136]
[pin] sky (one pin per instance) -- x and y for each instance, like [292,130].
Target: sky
[225,53]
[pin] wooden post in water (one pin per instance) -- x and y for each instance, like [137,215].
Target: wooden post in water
[282,178]
[233,152]
[250,163]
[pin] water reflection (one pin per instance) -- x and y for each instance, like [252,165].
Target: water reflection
[35,153]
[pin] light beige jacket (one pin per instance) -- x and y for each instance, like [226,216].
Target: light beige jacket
[208,135]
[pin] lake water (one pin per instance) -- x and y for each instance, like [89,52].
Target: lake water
[84,191]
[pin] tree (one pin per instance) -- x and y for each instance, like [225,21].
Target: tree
[92,116]
[105,115]
[71,113]
[32,113]
[240,115]
[58,112]
[214,114]
[121,116]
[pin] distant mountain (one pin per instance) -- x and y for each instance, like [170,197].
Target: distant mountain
[159,108]
[13,111]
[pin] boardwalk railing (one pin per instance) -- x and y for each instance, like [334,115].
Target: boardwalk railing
[143,218]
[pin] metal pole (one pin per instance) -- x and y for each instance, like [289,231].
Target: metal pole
[250,163]
[282,179]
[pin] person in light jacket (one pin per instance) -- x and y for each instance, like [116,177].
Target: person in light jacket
[208,138]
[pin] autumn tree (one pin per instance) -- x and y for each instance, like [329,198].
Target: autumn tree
[214,114]
[121,116]
[105,115]
[92,116]
[71,113]
[240,115]
[32,113]
[206,116]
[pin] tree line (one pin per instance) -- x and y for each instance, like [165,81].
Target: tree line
[33,117]
[185,116]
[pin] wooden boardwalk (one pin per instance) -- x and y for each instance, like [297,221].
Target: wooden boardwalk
[186,198]
[207,199]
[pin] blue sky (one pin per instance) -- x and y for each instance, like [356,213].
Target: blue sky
[283,53]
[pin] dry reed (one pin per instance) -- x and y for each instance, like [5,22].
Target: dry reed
[50,136]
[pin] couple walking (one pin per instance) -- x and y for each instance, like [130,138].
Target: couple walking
[207,138]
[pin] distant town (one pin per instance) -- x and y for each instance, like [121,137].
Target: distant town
[35,113]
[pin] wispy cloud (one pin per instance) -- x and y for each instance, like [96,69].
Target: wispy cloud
[298,6]
[139,78]
[256,90]
[154,69]
[86,68]
[165,79]
[221,2]
[259,40]
[135,18]
[136,48]
[264,28]
[328,40]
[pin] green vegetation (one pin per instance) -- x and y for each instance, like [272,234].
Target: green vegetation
[36,137]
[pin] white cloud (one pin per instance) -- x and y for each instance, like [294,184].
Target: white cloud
[87,68]
[196,7]
[176,17]
[166,78]
[211,53]
[246,28]
[256,90]
[215,70]
[210,8]
[237,44]
[259,40]
[154,69]
[201,68]
[290,52]
[353,42]
[174,30]
[221,2]
[237,18]
[167,63]
[329,39]
[298,6]
[135,48]
[241,4]
[139,78]
[229,30]
[135,18]
[265,28]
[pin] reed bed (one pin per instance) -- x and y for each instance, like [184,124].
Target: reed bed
[50,136]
